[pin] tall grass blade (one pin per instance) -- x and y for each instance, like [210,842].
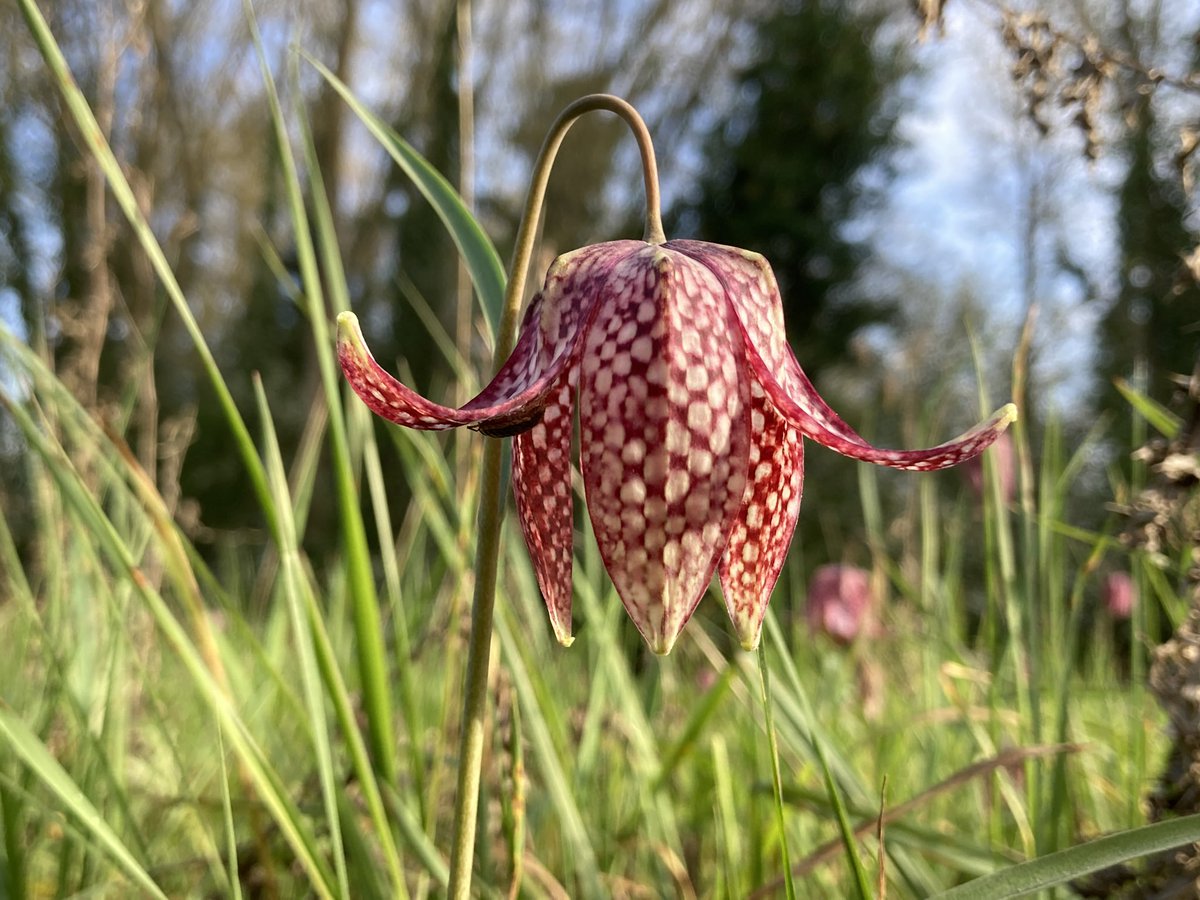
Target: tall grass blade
[318,665]
[231,849]
[1156,415]
[574,831]
[482,262]
[33,753]
[93,137]
[1066,865]
[310,679]
[777,776]
[372,660]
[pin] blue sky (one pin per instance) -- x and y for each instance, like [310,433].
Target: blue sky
[971,172]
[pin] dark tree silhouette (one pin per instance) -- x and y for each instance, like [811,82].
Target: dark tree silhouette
[781,174]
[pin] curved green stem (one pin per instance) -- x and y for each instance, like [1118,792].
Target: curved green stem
[487,551]
[527,232]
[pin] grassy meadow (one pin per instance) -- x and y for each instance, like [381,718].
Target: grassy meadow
[249,721]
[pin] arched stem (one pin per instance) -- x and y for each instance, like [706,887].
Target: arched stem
[527,232]
[490,505]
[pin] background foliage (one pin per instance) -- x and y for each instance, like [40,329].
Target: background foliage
[183,683]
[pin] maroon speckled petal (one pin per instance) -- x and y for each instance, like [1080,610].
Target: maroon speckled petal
[664,435]
[964,447]
[541,474]
[752,291]
[761,534]
[754,295]
[549,341]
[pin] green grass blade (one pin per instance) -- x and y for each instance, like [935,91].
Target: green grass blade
[93,138]
[372,658]
[355,745]
[478,254]
[1158,416]
[574,831]
[410,710]
[1066,865]
[33,753]
[777,780]
[289,555]
[231,851]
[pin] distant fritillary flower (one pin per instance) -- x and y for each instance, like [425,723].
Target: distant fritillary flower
[692,411]
[840,602]
[1119,595]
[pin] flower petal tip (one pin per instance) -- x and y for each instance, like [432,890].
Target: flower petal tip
[565,640]
[661,644]
[749,643]
[349,334]
[1006,415]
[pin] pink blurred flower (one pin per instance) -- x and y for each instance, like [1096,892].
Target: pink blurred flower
[1119,594]
[840,602]
[1003,452]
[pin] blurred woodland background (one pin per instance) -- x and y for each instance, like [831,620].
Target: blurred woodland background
[1021,157]
[965,201]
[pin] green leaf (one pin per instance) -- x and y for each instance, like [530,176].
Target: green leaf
[478,253]
[1066,865]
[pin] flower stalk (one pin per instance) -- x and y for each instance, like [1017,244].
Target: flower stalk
[470,758]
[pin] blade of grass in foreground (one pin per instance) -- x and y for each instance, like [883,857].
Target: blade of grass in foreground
[1066,865]
[574,831]
[231,851]
[33,753]
[267,782]
[777,781]
[1158,416]
[289,557]
[372,663]
[319,665]
[482,262]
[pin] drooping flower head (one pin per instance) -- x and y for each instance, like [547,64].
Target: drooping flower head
[692,411]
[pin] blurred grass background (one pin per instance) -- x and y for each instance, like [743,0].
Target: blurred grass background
[233,607]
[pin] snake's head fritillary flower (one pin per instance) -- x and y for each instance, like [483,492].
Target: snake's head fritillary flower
[692,410]
[840,602]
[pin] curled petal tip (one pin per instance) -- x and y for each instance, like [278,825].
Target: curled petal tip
[748,642]
[349,336]
[1006,415]
[347,326]
[566,640]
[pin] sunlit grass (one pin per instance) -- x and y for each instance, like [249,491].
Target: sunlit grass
[208,731]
